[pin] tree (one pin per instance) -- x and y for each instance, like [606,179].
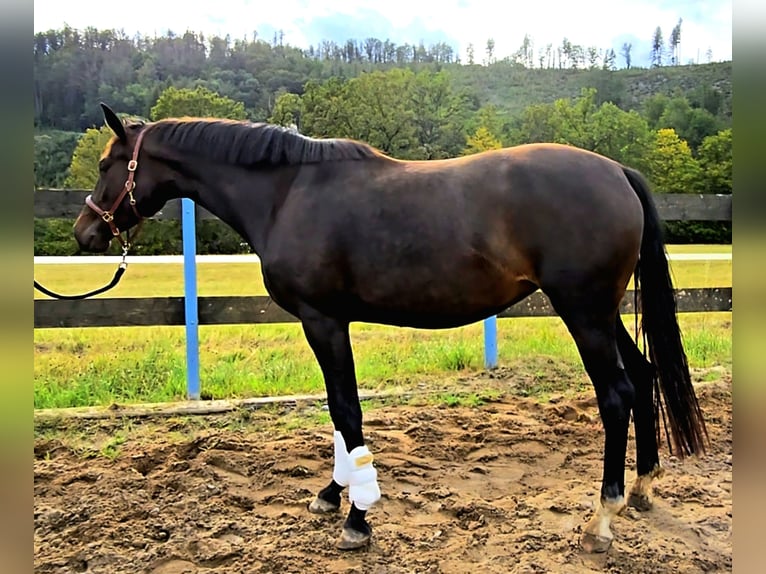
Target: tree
[653,108]
[53,154]
[481,140]
[490,51]
[199,102]
[566,52]
[671,166]
[700,124]
[675,43]
[324,112]
[593,56]
[707,97]
[287,110]
[715,158]
[691,124]
[374,107]
[488,116]
[83,170]
[525,54]
[470,54]
[623,136]
[439,118]
[605,129]
[563,121]
[378,110]
[626,48]
[657,48]
[537,124]
[406,115]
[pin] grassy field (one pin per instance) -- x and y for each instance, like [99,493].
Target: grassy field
[99,366]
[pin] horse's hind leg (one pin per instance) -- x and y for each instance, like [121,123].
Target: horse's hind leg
[593,330]
[648,466]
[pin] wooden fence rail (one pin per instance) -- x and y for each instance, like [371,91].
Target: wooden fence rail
[108,312]
[67,203]
[146,311]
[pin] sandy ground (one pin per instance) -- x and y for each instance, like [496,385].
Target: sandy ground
[497,488]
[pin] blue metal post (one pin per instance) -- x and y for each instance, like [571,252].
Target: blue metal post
[190,298]
[490,342]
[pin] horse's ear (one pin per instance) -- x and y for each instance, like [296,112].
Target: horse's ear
[114,122]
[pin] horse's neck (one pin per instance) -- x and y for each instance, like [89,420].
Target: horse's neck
[243,199]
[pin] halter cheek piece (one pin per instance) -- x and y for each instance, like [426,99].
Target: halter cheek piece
[130,185]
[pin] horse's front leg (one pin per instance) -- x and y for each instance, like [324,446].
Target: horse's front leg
[330,341]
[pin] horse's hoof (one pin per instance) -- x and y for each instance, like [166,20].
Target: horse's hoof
[593,543]
[321,506]
[640,502]
[351,539]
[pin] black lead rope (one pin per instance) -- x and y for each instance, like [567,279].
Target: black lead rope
[116,279]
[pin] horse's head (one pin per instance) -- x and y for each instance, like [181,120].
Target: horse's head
[122,196]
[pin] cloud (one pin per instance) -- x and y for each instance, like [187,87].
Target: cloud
[602,23]
[368,23]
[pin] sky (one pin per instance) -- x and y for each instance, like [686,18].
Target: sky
[707,24]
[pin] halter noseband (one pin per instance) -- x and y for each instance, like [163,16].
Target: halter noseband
[130,185]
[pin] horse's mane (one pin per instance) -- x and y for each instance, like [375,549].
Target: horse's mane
[251,144]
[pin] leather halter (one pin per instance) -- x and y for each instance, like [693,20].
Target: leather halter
[130,185]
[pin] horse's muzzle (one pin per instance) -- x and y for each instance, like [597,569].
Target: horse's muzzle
[90,238]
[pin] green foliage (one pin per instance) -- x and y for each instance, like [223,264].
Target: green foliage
[605,129]
[692,124]
[75,69]
[53,153]
[54,237]
[481,140]
[411,101]
[403,113]
[620,135]
[490,117]
[440,115]
[377,110]
[706,97]
[698,232]
[287,110]
[671,166]
[83,170]
[715,158]
[653,108]
[562,121]
[700,123]
[199,102]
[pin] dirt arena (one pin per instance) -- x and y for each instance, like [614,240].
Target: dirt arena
[501,487]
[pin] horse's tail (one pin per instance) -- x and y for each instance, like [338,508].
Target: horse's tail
[662,335]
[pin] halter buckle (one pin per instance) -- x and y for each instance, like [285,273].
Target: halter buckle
[132,165]
[108,217]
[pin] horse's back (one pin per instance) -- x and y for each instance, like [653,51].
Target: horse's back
[450,239]
[555,203]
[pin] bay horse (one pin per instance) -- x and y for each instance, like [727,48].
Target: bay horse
[345,233]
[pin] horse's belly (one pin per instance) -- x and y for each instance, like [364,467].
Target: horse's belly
[440,304]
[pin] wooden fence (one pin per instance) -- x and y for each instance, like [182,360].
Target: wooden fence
[67,203]
[107,312]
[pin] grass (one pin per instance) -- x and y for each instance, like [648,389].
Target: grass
[99,366]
